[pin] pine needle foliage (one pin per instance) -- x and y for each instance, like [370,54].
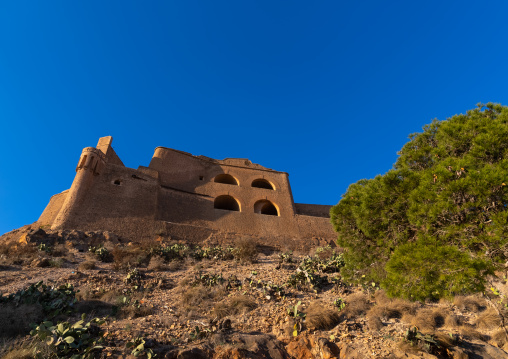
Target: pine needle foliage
[437,223]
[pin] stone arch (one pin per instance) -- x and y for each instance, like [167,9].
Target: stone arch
[262,183]
[226,178]
[264,206]
[226,202]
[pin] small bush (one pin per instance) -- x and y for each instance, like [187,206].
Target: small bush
[489,319]
[129,257]
[71,340]
[429,319]
[102,253]
[235,305]
[156,264]
[54,300]
[320,317]
[470,303]
[87,265]
[357,304]
[246,250]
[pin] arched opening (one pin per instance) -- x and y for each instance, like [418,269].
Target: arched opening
[264,206]
[262,183]
[227,203]
[225,178]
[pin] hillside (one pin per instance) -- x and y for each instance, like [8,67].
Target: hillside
[178,302]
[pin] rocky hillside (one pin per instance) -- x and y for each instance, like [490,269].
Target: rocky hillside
[169,300]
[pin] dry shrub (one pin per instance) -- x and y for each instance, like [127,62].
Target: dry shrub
[374,323]
[470,303]
[95,308]
[131,312]
[445,339]
[453,321]
[175,265]
[56,262]
[201,298]
[87,265]
[16,320]
[381,297]
[129,257]
[111,296]
[488,319]
[14,253]
[246,250]
[25,349]
[156,264]
[320,317]
[499,337]
[356,304]
[428,319]
[59,251]
[236,305]
[468,332]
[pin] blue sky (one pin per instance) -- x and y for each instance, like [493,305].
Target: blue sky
[327,91]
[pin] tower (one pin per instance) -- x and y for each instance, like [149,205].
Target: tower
[90,165]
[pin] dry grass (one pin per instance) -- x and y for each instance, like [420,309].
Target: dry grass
[320,317]
[200,299]
[129,257]
[236,305]
[468,332]
[499,337]
[470,303]
[428,319]
[453,321]
[95,308]
[176,265]
[87,265]
[246,250]
[357,304]
[157,264]
[15,254]
[489,319]
[25,349]
[16,320]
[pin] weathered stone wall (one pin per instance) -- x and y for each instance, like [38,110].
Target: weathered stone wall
[52,209]
[178,195]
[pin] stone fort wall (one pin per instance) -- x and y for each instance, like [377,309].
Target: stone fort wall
[186,197]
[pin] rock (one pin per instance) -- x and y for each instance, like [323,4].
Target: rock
[252,345]
[457,353]
[311,347]
[40,263]
[193,353]
[479,349]
[300,348]
[348,352]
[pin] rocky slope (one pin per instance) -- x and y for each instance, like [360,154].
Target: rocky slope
[178,302]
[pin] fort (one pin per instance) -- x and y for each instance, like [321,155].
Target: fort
[185,197]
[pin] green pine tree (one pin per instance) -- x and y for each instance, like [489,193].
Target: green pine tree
[437,223]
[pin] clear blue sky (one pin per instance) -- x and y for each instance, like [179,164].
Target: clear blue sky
[325,90]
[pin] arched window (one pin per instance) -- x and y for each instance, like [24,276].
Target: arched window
[264,206]
[262,183]
[225,178]
[226,202]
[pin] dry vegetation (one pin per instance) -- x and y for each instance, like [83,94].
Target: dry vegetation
[176,297]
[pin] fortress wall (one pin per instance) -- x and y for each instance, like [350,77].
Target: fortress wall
[182,207]
[315,227]
[317,210]
[118,193]
[178,170]
[51,211]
